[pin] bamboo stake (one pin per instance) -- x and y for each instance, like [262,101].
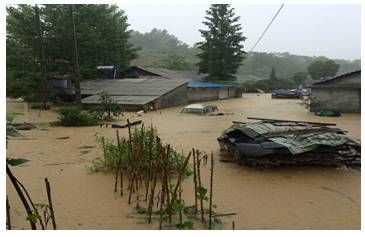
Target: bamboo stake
[180,211]
[233,226]
[166,159]
[48,188]
[200,186]
[121,182]
[195,183]
[161,206]
[104,149]
[150,205]
[8,221]
[211,190]
[117,170]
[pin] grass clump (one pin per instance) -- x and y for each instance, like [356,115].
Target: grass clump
[74,116]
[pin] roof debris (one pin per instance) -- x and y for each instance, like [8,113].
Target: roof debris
[273,143]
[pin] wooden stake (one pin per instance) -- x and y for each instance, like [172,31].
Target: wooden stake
[200,186]
[151,202]
[117,170]
[21,195]
[211,190]
[8,221]
[195,183]
[162,206]
[121,182]
[48,188]
[233,226]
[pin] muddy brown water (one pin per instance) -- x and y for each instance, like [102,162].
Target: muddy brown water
[284,198]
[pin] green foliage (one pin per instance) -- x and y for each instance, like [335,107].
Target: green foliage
[107,109]
[222,51]
[273,74]
[300,77]
[111,155]
[15,162]
[158,48]
[174,61]
[201,193]
[102,37]
[322,69]
[269,85]
[12,132]
[34,217]
[74,116]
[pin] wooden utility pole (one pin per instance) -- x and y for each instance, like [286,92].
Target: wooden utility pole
[43,84]
[75,57]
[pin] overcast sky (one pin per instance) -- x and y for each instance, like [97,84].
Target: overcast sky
[314,30]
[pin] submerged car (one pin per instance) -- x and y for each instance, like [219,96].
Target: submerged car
[200,109]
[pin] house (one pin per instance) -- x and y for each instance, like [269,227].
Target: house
[137,93]
[341,93]
[140,88]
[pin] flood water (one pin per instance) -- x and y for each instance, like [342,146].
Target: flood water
[284,198]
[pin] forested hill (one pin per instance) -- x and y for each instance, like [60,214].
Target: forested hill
[161,49]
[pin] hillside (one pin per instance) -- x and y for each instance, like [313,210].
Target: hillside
[158,48]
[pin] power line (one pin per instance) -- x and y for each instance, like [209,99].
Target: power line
[272,20]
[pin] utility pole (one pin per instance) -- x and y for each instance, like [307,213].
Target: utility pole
[43,84]
[75,58]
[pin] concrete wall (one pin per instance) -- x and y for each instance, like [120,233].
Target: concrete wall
[199,94]
[339,99]
[178,96]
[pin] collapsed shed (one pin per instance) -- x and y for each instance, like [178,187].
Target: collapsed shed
[274,142]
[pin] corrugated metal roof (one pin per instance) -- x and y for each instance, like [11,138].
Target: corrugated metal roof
[208,84]
[337,77]
[130,87]
[120,99]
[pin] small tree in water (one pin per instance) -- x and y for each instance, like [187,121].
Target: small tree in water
[108,108]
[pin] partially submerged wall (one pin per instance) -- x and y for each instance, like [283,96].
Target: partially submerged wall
[199,94]
[339,99]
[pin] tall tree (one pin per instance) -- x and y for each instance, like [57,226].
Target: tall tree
[273,74]
[321,69]
[102,39]
[222,51]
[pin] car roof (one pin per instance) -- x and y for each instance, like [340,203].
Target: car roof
[198,106]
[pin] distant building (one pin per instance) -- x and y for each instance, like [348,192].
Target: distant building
[206,91]
[140,88]
[341,93]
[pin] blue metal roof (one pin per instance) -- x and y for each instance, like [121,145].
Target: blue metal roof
[209,84]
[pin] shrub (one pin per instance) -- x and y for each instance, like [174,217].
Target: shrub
[108,109]
[74,116]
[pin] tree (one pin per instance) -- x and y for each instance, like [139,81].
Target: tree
[300,77]
[102,39]
[222,52]
[273,74]
[174,61]
[321,69]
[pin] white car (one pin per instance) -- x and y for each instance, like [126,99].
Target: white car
[201,109]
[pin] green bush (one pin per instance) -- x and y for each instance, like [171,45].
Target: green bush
[108,108]
[74,116]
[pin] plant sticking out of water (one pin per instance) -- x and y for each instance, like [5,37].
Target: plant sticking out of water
[155,173]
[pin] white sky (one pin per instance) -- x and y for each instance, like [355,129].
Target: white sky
[331,30]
